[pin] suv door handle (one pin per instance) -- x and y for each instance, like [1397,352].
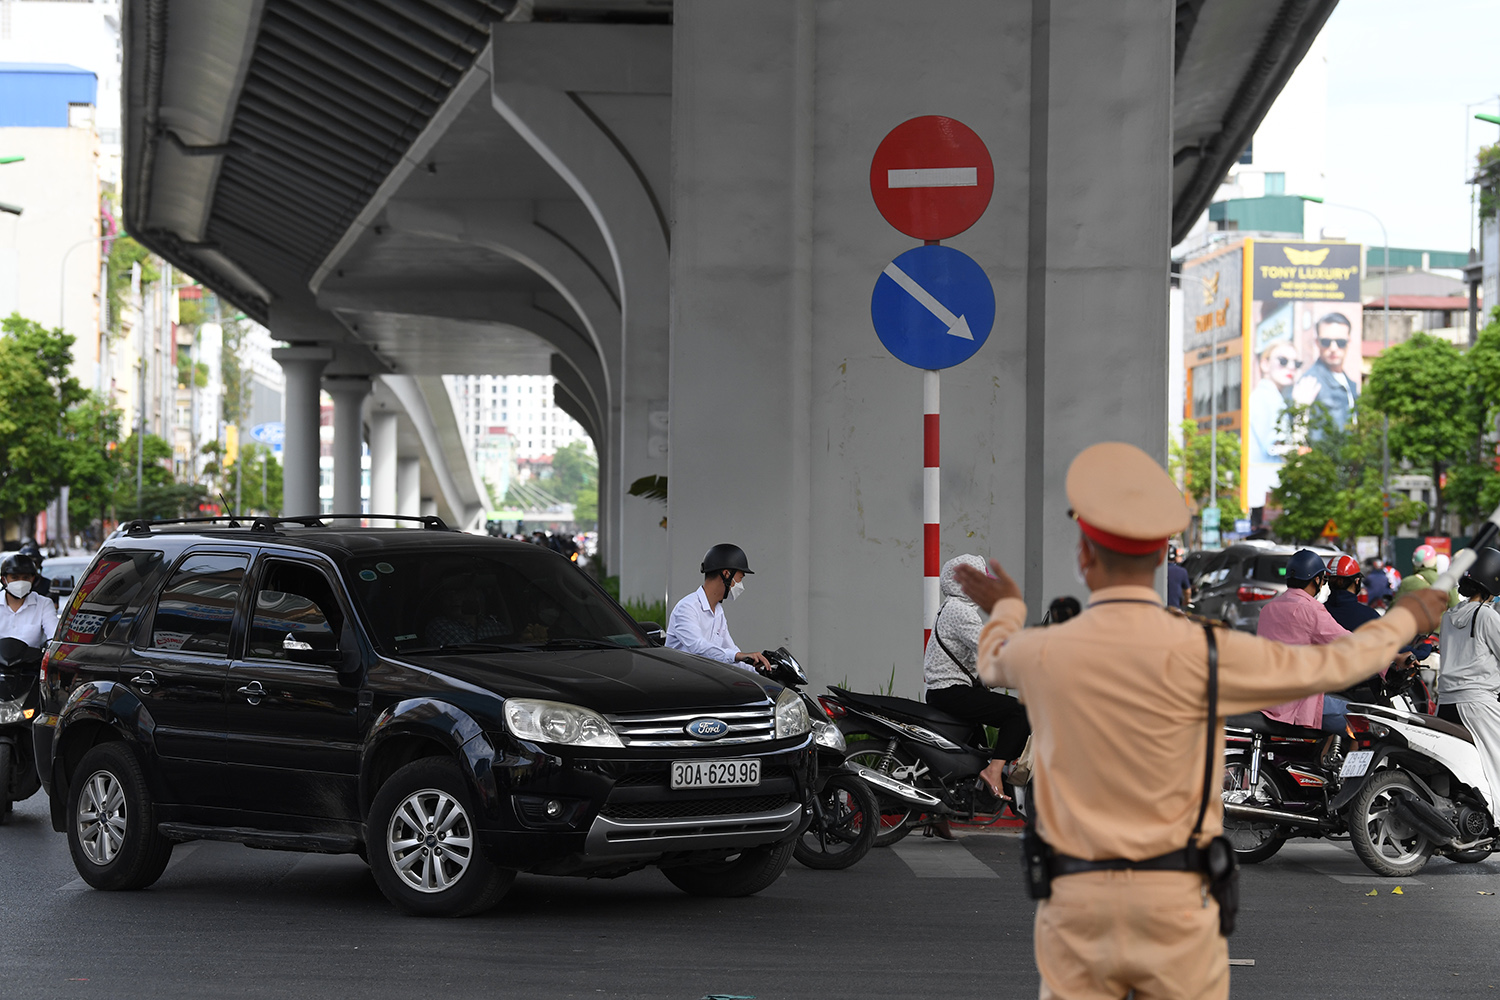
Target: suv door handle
[253,692]
[145,680]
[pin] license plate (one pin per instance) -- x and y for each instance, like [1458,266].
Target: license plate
[715,773]
[1356,764]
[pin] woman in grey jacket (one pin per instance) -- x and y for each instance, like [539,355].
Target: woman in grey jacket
[1469,685]
[953,686]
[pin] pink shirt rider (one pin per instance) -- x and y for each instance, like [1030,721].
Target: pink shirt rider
[1296,618]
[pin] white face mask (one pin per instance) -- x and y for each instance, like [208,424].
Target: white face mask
[1078,568]
[737,590]
[18,588]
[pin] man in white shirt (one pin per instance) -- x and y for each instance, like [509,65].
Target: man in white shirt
[697,624]
[27,615]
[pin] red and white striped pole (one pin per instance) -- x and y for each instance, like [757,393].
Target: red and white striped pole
[931,531]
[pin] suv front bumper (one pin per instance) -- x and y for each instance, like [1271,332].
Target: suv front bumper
[619,813]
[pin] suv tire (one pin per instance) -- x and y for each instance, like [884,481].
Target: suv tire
[743,875]
[111,821]
[443,872]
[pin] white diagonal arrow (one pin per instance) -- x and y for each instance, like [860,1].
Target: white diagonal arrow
[958,326]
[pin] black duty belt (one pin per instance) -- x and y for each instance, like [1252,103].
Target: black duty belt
[1175,861]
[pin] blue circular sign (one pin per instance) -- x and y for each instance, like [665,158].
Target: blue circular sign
[933,307]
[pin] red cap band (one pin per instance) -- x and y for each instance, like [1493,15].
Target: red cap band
[1119,543]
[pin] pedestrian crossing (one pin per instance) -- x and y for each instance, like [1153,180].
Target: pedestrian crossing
[929,857]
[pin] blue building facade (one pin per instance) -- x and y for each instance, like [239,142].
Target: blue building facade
[39,94]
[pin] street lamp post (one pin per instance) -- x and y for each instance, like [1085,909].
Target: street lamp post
[1385,424]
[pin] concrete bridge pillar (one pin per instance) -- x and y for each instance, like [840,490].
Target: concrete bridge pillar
[303,367]
[806,442]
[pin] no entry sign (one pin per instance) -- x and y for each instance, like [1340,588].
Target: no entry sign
[932,177]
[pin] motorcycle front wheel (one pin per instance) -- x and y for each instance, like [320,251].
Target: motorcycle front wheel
[1384,842]
[847,828]
[896,818]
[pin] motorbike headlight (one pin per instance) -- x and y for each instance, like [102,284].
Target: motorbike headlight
[826,734]
[791,715]
[11,713]
[554,722]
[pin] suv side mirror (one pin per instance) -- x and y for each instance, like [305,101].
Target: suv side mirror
[654,632]
[300,651]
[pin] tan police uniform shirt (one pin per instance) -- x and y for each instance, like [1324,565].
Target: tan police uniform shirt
[1117,699]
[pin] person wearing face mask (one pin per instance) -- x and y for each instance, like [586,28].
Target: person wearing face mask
[28,616]
[698,625]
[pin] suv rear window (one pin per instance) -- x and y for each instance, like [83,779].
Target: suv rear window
[1269,569]
[522,597]
[111,594]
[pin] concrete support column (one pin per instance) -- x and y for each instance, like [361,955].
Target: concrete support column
[383,461]
[812,458]
[348,432]
[302,365]
[409,486]
[429,507]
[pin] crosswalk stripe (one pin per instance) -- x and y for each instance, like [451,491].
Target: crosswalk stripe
[933,858]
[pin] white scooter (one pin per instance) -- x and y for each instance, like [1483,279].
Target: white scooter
[1419,789]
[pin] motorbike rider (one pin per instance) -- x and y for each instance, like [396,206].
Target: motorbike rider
[1295,617]
[1470,682]
[698,625]
[1377,582]
[28,616]
[41,586]
[952,678]
[1344,580]
[1424,564]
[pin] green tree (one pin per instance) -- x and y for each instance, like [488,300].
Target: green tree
[261,490]
[160,495]
[573,469]
[1192,462]
[586,509]
[1423,386]
[35,393]
[1473,478]
[1337,478]
[96,462]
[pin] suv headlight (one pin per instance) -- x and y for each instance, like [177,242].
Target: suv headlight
[826,734]
[791,715]
[554,722]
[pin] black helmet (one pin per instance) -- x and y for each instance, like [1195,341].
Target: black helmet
[1305,565]
[1484,574]
[29,547]
[16,564]
[725,556]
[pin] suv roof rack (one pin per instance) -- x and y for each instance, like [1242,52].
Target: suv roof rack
[269,524]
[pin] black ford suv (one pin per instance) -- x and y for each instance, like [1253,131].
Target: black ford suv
[455,709]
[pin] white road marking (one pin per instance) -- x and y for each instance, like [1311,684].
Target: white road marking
[933,858]
[933,177]
[958,326]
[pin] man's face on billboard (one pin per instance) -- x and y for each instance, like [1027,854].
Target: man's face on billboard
[1333,344]
[1281,365]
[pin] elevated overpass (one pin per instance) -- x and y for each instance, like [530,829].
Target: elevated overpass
[666,207]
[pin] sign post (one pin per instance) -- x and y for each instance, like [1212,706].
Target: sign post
[933,306]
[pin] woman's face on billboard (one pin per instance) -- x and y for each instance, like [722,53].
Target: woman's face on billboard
[1280,364]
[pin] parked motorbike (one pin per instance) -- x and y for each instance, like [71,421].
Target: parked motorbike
[923,763]
[846,813]
[1283,781]
[18,703]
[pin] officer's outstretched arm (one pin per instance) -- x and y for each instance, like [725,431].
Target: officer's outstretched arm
[1257,673]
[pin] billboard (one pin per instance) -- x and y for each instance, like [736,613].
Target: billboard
[1298,342]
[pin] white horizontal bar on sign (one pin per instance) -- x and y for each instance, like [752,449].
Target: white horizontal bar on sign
[933,177]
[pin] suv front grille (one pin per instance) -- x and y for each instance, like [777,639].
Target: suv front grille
[679,808]
[747,724]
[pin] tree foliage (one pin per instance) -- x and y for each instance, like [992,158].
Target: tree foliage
[1424,387]
[35,393]
[1337,478]
[573,470]
[1193,461]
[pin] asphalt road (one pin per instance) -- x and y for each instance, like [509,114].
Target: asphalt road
[919,920]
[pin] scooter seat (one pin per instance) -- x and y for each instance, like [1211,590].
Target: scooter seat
[1259,722]
[918,710]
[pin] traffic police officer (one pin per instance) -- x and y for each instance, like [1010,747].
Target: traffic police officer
[1117,702]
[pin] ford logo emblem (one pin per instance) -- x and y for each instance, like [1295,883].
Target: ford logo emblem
[707,729]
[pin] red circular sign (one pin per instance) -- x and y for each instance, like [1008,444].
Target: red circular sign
[932,177]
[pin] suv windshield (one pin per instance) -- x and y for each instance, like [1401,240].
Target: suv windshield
[521,598]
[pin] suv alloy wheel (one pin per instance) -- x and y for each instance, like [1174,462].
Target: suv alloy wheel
[112,823]
[422,844]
